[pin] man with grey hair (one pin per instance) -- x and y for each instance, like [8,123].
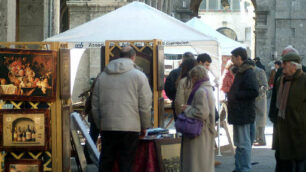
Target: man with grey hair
[121,108]
[289,138]
[273,109]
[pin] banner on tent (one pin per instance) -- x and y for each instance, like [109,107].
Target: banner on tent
[101,44]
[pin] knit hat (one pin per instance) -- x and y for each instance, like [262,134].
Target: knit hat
[292,57]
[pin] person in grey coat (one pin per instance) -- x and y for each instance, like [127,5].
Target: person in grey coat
[260,105]
[121,107]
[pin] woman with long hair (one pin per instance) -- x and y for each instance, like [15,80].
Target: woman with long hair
[184,85]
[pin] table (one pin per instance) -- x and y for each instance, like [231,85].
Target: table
[149,155]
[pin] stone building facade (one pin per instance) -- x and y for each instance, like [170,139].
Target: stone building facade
[278,24]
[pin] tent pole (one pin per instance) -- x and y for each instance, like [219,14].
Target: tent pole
[218,108]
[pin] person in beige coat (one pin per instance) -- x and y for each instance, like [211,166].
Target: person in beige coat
[197,154]
[121,108]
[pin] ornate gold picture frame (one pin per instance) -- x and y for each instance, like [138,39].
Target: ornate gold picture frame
[26,129]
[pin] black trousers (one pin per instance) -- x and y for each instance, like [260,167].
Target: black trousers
[289,165]
[118,146]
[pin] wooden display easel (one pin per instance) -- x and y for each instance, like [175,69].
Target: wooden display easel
[59,154]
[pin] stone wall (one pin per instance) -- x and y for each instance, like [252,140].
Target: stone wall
[8,20]
[278,24]
[3,19]
[31,20]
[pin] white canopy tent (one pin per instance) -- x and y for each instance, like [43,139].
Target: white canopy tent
[134,21]
[138,21]
[226,44]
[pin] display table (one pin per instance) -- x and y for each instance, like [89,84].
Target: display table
[149,155]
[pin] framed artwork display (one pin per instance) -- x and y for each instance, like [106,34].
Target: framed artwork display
[168,154]
[24,129]
[27,75]
[24,165]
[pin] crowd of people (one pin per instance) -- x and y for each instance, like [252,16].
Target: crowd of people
[123,112]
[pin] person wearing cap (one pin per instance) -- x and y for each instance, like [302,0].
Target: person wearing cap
[273,110]
[289,136]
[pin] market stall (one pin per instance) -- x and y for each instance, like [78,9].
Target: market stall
[139,25]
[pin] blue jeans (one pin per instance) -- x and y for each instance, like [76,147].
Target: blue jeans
[243,138]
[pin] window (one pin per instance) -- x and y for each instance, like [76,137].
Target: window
[228,32]
[213,5]
[293,32]
[235,5]
[247,33]
[217,5]
[246,6]
[228,1]
[203,5]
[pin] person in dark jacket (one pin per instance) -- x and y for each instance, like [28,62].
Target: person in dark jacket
[289,134]
[241,109]
[273,113]
[273,109]
[259,64]
[170,84]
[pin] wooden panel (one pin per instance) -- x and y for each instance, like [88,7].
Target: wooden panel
[79,149]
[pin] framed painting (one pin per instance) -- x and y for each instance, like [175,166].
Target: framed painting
[168,154]
[24,165]
[24,129]
[27,75]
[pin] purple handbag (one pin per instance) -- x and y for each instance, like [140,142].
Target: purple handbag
[190,127]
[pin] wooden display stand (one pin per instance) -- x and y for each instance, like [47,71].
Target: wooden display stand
[57,156]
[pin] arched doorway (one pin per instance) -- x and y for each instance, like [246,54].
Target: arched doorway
[228,32]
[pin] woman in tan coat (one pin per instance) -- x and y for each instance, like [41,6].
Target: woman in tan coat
[198,152]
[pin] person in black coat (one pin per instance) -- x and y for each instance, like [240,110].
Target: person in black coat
[241,109]
[171,80]
[259,64]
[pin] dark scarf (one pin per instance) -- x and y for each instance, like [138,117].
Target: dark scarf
[283,92]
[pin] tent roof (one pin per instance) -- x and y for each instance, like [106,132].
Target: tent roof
[226,44]
[134,21]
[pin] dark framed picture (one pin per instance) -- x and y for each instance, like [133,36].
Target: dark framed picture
[27,75]
[24,129]
[168,154]
[24,165]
